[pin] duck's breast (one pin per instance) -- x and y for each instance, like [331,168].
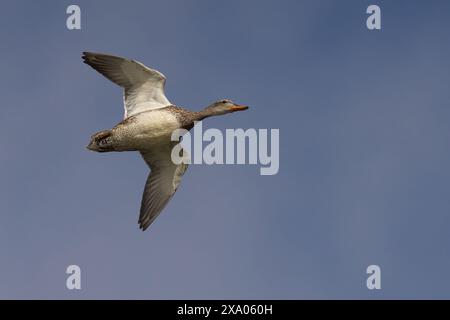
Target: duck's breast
[147,128]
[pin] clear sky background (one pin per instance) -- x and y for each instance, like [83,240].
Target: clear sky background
[364,119]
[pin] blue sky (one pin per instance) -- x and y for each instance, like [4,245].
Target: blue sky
[364,157]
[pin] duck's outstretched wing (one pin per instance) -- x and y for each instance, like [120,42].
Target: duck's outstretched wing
[162,182]
[143,87]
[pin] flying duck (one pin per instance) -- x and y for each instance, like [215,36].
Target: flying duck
[148,123]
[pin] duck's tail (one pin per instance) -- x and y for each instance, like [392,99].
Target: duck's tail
[101,142]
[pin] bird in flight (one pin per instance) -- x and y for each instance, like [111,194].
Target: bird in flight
[147,127]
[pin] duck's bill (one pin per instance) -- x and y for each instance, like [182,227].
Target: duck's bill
[238,108]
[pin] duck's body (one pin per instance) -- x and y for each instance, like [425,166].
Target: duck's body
[148,124]
[139,132]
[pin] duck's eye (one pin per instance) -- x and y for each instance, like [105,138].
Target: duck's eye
[224,101]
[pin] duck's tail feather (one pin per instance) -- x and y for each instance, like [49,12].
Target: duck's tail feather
[101,142]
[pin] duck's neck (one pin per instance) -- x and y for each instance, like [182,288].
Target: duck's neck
[206,113]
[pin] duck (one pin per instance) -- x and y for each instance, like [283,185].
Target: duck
[147,126]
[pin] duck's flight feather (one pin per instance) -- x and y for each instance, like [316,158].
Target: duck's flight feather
[162,182]
[143,87]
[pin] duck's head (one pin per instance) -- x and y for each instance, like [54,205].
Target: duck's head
[222,107]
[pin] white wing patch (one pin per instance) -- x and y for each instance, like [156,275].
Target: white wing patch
[179,172]
[143,87]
